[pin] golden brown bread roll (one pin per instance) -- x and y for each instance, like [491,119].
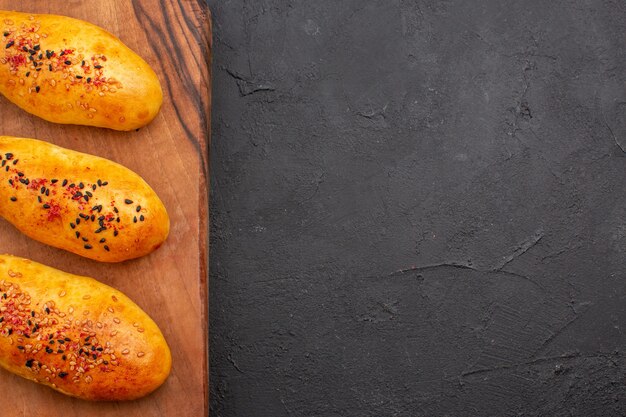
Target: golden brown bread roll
[84,204]
[69,71]
[76,335]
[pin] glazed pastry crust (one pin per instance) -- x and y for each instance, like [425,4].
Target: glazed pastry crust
[82,203]
[76,335]
[68,71]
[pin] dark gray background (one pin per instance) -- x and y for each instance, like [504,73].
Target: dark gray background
[418,208]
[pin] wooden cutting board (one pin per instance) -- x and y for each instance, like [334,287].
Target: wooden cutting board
[171,154]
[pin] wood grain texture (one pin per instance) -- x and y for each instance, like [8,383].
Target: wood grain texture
[171,154]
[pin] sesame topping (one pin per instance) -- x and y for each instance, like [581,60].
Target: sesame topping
[25,51]
[51,347]
[65,200]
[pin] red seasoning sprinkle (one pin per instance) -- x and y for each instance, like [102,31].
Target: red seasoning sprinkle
[51,345]
[38,67]
[89,214]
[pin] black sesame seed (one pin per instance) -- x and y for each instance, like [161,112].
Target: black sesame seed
[88,246]
[105,183]
[10,44]
[39,199]
[62,374]
[84,216]
[29,363]
[6,34]
[64,183]
[68,62]
[37,88]
[20,174]
[20,347]
[11,182]
[43,190]
[36,47]
[103,240]
[99,183]
[127,201]
[138,209]
[9,155]
[72,225]
[47,206]
[141,218]
[79,77]
[15,162]
[106,248]
[85,239]
[97,66]
[115,233]
[13,198]
[81,185]
[77,235]
[54,180]
[115,210]
[135,219]
[27,73]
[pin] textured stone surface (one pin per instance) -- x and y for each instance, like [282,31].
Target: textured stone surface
[418,208]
